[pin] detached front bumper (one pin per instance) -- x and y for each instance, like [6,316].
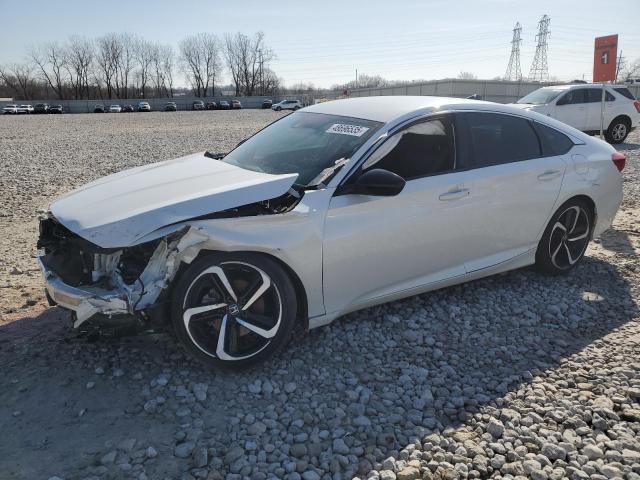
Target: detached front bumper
[85,301]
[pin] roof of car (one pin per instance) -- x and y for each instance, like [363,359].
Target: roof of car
[387,108]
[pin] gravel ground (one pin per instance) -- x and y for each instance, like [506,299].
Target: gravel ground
[514,376]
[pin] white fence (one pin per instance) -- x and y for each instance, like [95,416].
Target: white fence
[491,90]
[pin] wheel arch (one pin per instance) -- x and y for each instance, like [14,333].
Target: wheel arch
[586,199]
[302,315]
[622,116]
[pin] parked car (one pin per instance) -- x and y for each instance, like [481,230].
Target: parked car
[25,109]
[144,107]
[223,105]
[170,107]
[128,108]
[580,106]
[56,109]
[198,105]
[326,211]
[236,105]
[287,105]
[211,105]
[267,103]
[10,109]
[41,108]
[99,108]
[115,108]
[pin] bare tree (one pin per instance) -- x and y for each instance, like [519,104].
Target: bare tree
[168,57]
[630,70]
[50,60]
[79,58]
[19,78]
[200,58]
[143,53]
[108,57]
[247,58]
[125,64]
[466,76]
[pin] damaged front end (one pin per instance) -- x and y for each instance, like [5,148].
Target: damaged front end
[88,279]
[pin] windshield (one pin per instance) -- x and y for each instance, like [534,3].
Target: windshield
[303,143]
[541,96]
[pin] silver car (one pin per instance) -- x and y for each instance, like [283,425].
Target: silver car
[337,207]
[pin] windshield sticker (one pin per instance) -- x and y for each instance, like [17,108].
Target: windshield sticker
[342,129]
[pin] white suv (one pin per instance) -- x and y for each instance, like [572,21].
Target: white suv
[579,106]
[287,105]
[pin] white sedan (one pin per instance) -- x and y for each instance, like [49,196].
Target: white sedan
[340,206]
[10,109]
[115,108]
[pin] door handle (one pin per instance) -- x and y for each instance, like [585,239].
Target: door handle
[549,175]
[454,194]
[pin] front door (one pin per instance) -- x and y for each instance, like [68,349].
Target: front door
[571,108]
[378,246]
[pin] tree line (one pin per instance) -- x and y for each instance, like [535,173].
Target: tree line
[124,65]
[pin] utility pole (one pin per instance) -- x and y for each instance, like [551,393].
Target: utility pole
[356,78]
[539,68]
[619,65]
[513,68]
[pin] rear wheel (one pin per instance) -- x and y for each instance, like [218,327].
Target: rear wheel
[566,237]
[618,130]
[233,310]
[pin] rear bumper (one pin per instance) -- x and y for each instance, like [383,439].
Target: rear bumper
[86,301]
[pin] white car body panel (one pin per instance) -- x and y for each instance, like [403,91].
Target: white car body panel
[349,251]
[516,220]
[119,209]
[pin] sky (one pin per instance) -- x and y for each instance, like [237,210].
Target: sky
[324,42]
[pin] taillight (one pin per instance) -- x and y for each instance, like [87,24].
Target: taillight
[637,105]
[619,160]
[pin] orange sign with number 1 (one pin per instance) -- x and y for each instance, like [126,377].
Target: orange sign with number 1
[605,56]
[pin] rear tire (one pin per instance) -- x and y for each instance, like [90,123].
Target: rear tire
[233,310]
[618,130]
[566,237]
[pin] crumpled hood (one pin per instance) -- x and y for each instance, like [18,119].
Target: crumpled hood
[117,210]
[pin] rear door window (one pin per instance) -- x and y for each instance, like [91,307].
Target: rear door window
[594,95]
[487,139]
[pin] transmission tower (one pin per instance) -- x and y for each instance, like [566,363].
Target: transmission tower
[513,68]
[539,68]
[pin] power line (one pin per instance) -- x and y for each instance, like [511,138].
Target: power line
[513,68]
[539,68]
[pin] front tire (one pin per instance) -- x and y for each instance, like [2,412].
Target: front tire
[618,131]
[566,237]
[233,310]
[277,109]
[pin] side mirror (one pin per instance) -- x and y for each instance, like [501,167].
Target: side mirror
[376,182]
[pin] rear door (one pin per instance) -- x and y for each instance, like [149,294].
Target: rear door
[571,108]
[513,184]
[594,108]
